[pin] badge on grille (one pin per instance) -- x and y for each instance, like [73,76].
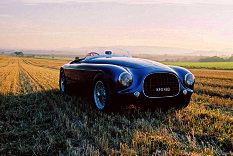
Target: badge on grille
[163,89]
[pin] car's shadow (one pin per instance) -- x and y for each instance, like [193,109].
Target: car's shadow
[126,107]
[51,122]
[41,122]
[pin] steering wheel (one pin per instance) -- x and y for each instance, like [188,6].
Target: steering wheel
[92,54]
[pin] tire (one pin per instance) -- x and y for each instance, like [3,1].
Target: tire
[62,82]
[102,95]
[186,102]
[183,103]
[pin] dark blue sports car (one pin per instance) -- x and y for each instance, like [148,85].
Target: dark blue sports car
[113,79]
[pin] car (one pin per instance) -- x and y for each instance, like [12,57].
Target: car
[113,79]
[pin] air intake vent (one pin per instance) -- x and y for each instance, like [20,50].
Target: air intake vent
[161,85]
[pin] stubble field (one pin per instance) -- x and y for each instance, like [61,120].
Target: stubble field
[35,118]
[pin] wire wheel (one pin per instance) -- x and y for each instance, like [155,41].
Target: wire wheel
[100,95]
[62,82]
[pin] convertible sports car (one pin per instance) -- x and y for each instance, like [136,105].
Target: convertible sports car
[112,79]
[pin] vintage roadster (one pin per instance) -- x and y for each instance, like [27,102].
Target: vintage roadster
[113,79]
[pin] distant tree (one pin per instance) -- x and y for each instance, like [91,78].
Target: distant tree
[230,59]
[2,52]
[19,53]
[212,59]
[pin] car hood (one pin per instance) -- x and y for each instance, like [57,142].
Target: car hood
[128,62]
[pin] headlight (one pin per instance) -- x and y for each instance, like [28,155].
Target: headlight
[125,79]
[189,79]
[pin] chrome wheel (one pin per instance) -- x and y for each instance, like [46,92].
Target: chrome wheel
[100,95]
[62,83]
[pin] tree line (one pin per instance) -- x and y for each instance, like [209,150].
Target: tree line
[216,59]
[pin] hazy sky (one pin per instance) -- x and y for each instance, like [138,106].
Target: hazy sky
[45,24]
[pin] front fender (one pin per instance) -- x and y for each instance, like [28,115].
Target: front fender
[181,72]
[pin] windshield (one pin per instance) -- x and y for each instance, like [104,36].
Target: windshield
[104,53]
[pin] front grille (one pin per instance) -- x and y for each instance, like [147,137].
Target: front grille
[161,85]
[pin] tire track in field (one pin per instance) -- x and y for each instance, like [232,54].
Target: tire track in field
[13,81]
[4,76]
[25,86]
[45,79]
[30,77]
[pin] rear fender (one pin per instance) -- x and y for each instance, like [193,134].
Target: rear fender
[110,74]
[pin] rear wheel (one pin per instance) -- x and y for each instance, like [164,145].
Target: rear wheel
[62,82]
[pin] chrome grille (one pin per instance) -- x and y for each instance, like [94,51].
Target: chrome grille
[161,85]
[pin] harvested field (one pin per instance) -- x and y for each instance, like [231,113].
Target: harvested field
[35,118]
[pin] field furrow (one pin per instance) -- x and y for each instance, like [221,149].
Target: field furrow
[216,78]
[4,64]
[39,65]
[214,101]
[3,74]
[32,80]
[214,91]
[215,83]
[213,74]
[9,78]
[52,64]
[4,61]
[44,78]
[28,82]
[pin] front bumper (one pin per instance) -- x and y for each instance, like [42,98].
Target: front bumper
[138,98]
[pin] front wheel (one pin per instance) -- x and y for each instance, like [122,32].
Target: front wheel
[182,103]
[186,102]
[102,95]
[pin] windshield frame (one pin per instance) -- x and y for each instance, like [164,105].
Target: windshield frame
[103,54]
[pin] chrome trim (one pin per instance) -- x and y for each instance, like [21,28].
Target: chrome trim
[121,75]
[161,96]
[189,90]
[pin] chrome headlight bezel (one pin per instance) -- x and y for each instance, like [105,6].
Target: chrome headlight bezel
[125,79]
[189,79]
